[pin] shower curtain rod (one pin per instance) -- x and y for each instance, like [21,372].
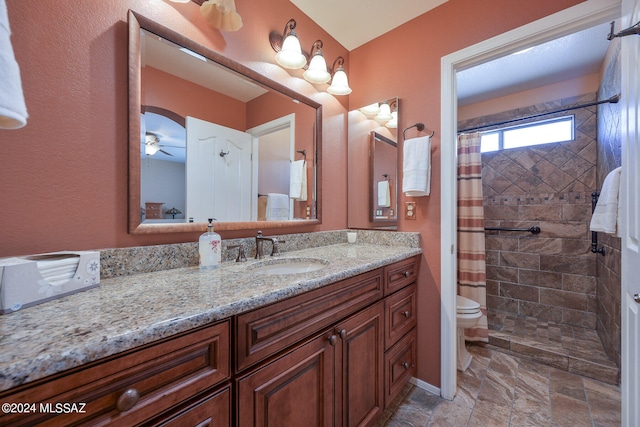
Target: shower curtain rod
[613,100]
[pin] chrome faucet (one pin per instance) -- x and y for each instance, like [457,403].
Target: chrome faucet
[260,242]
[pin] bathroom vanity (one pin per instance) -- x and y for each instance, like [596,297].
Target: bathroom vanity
[233,346]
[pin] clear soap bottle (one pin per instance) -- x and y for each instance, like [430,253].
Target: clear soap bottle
[210,248]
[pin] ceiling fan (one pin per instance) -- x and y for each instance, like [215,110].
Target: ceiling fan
[152,145]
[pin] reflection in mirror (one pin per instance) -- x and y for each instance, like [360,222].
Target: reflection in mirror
[372,154]
[210,138]
[383,179]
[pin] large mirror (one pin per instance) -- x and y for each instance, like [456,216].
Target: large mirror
[210,138]
[373,166]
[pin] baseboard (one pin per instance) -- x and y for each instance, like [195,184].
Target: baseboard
[425,386]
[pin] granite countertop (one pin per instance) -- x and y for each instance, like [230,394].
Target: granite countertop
[130,311]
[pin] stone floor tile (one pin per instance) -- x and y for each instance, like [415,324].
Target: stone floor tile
[498,389]
[449,414]
[567,384]
[489,414]
[529,412]
[569,412]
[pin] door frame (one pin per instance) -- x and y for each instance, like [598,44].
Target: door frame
[573,19]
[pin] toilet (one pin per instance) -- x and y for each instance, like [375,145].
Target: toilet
[467,315]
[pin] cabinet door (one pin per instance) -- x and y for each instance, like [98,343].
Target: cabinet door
[294,390]
[359,368]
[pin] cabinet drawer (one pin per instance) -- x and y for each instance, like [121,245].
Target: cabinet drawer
[134,387]
[270,329]
[399,366]
[212,411]
[399,315]
[400,274]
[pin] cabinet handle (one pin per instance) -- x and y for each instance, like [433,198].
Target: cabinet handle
[342,333]
[406,313]
[405,365]
[127,400]
[406,274]
[333,340]
[205,423]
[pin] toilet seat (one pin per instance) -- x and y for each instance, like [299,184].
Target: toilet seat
[466,305]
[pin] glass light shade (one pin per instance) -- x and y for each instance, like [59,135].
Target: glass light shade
[393,122]
[221,14]
[290,56]
[317,72]
[339,84]
[370,110]
[384,115]
[180,1]
[151,149]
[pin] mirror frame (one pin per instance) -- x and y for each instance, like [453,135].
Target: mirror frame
[138,22]
[373,136]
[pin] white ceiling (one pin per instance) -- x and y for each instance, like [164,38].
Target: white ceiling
[355,22]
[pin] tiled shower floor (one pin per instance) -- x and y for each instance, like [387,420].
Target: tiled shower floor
[573,349]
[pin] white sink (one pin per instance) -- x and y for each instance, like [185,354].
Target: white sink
[288,265]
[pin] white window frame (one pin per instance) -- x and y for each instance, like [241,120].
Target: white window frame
[501,131]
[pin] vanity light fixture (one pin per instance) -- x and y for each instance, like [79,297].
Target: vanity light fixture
[317,71]
[393,122]
[180,1]
[384,115]
[221,14]
[370,110]
[340,83]
[289,53]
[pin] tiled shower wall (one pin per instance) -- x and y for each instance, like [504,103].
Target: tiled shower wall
[609,266]
[551,275]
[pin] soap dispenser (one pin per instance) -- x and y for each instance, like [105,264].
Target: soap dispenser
[210,248]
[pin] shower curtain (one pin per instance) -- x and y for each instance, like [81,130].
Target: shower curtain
[471,250]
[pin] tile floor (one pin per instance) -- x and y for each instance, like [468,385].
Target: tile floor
[570,348]
[501,389]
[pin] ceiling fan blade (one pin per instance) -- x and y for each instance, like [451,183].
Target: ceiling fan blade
[164,152]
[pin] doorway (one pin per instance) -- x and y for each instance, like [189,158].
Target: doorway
[560,24]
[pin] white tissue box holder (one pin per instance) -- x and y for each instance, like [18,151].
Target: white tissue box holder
[24,284]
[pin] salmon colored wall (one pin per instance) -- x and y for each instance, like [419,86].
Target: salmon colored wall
[63,177]
[539,95]
[407,60]
[188,99]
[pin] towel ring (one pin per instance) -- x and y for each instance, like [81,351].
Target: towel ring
[419,126]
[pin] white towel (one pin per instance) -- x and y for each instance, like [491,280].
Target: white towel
[384,194]
[605,215]
[13,111]
[416,180]
[298,180]
[277,207]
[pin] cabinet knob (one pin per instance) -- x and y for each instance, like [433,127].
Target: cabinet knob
[405,365]
[406,313]
[342,333]
[333,340]
[127,400]
[406,274]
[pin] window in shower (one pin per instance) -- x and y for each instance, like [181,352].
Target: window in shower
[533,133]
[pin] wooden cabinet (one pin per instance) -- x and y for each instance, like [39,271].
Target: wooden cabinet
[153,210]
[133,387]
[359,368]
[263,332]
[293,390]
[333,356]
[335,378]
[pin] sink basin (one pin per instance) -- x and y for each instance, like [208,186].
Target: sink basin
[288,265]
